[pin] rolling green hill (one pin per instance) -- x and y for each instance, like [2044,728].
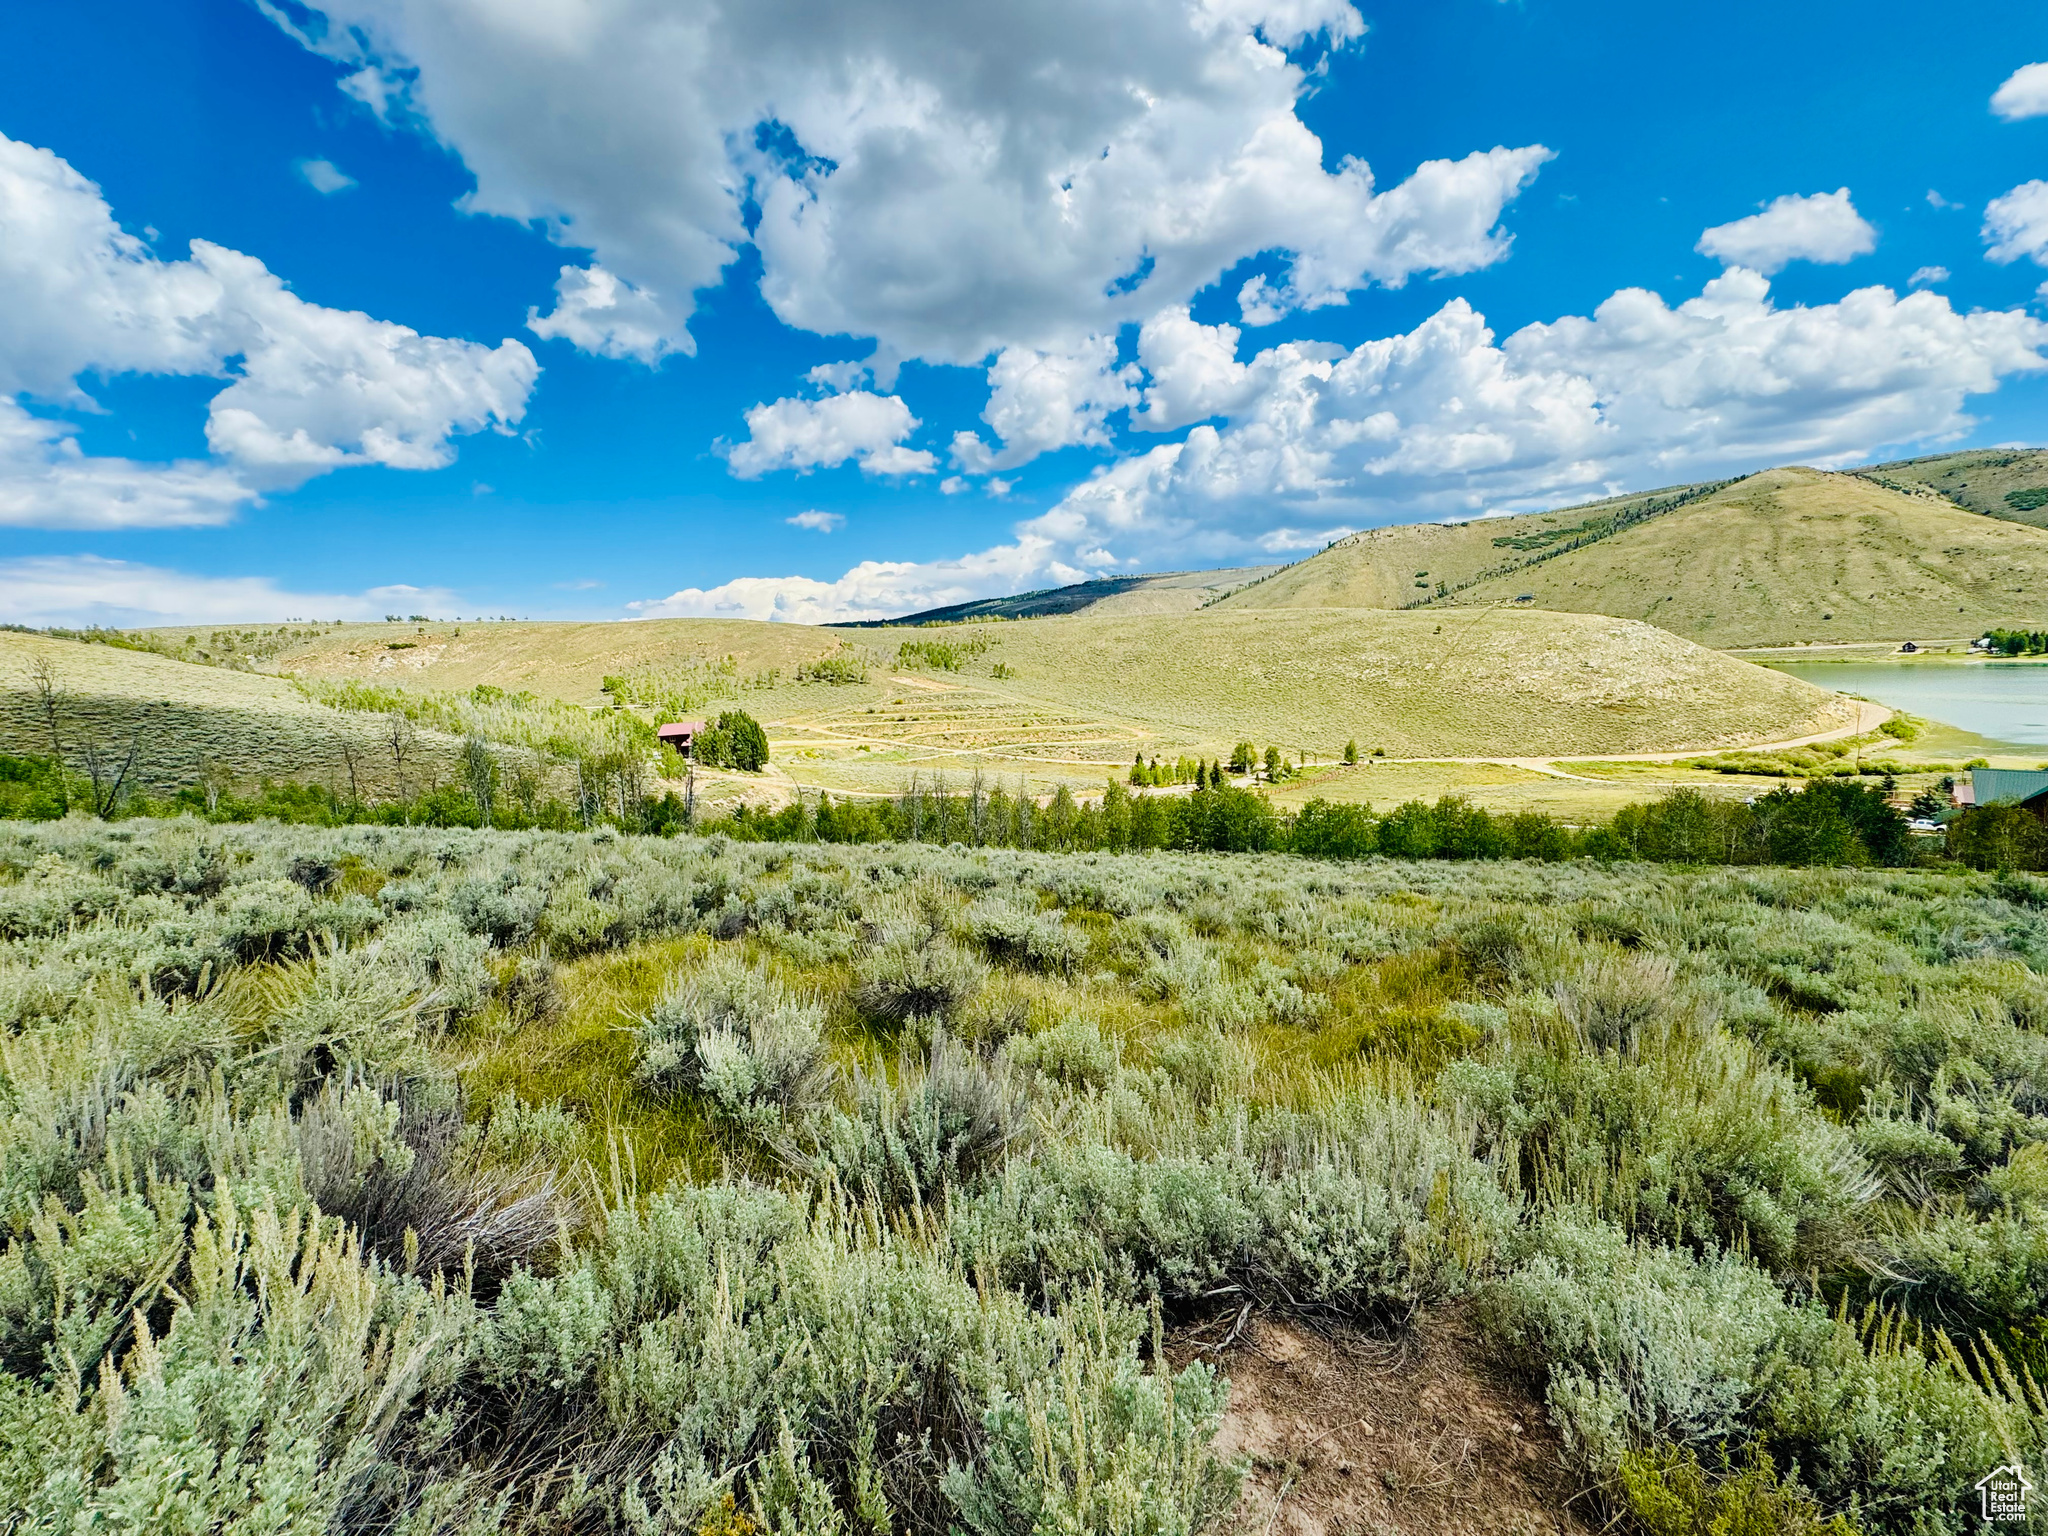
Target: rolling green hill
[1415,683]
[1781,557]
[187,721]
[562,661]
[2011,483]
[1409,565]
[1064,699]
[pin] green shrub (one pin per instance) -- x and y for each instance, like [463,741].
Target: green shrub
[1374,1212]
[942,655]
[933,1131]
[1072,1052]
[1640,1344]
[1022,936]
[33,789]
[1100,1446]
[912,975]
[1642,1109]
[401,1172]
[1670,1494]
[733,1033]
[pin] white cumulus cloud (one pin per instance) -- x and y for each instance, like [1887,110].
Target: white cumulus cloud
[46,481]
[952,181]
[2024,94]
[1043,401]
[874,589]
[1922,276]
[323,388]
[307,388]
[2016,224]
[1824,227]
[87,589]
[816,521]
[598,312]
[811,434]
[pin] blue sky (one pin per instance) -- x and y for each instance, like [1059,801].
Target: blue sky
[533,308]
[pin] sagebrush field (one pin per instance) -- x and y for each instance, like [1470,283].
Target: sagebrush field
[387,1179]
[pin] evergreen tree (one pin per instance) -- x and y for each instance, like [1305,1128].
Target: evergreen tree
[736,740]
[1351,753]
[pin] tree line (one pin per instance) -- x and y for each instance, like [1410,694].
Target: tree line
[1828,822]
[2016,642]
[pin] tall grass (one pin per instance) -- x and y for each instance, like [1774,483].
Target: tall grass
[547,726]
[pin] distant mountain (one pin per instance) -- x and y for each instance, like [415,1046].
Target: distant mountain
[1167,592]
[1780,557]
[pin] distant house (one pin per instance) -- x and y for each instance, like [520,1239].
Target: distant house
[1909,649]
[679,734]
[2026,788]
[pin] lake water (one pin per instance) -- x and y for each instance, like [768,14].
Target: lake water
[2004,700]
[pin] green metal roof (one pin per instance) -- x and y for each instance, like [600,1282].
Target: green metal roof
[2007,786]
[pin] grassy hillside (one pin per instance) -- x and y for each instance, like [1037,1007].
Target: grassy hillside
[1406,566]
[1796,554]
[1060,701]
[1415,683]
[1782,557]
[1064,700]
[1994,481]
[189,721]
[559,661]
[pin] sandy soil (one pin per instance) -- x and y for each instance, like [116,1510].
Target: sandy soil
[1349,1435]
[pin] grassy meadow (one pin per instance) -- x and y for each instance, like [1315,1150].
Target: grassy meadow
[1068,701]
[414,1180]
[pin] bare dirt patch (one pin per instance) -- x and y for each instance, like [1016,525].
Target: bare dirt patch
[1351,1435]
